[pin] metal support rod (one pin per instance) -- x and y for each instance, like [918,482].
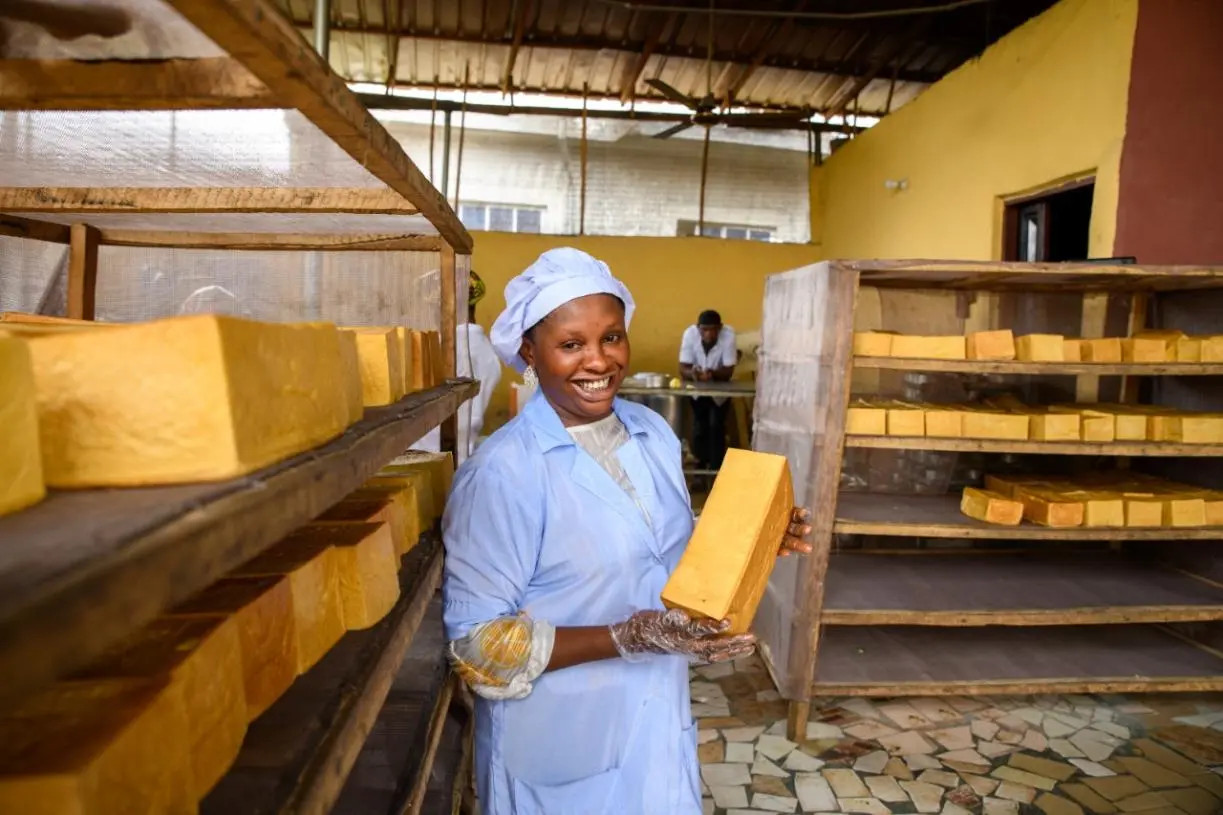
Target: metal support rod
[446,155]
[582,194]
[322,28]
[432,129]
[458,173]
[700,229]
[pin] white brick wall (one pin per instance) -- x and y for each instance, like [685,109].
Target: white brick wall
[635,185]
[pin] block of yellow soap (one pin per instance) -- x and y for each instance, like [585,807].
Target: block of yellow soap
[313,570]
[202,658]
[1040,348]
[1147,350]
[420,484]
[1189,349]
[1143,509]
[439,466]
[350,357]
[97,747]
[382,374]
[726,566]
[1183,511]
[873,343]
[991,345]
[863,420]
[369,571]
[262,609]
[1072,350]
[905,420]
[21,479]
[419,373]
[1099,508]
[944,423]
[994,424]
[197,398]
[1212,349]
[1055,426]
[911,346]
[1048,509]
[1169,337]
[1104,349]
[990,507]
[437,364]
[395,507]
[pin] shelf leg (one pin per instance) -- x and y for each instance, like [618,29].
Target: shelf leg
[796,720]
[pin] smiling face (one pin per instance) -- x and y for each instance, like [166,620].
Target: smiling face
[580,353]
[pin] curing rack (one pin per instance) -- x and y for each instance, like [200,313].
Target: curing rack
[118,183]
[903,595]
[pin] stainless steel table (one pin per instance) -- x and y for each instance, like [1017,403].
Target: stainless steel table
[670,404]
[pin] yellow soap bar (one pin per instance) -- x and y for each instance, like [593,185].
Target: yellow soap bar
[1055,427]
[1189,349]
[1212,349]
[1169,337]
[873,343]
[262,609]
[382,374]
[1105,349]
[313,570]
[1099,508]
[420,371]
[994,424]
[1148,350]
[991,345]
[990,507]
[1143,509]
[916,347]
[1184,511]
[420,484]
[369,571]
[97,747]
[407,360]
[725,568]
[437,364]
[904,420]
[202,658]
[21,479]
[197,398]
[866,421]
[944,423]
[350,358]
[1072,350]
[1040,348]
[395,507]
[439,466]
[1047,509]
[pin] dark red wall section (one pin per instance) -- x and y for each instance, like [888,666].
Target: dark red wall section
[1171,187]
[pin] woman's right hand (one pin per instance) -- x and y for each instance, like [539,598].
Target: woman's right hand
[674,632]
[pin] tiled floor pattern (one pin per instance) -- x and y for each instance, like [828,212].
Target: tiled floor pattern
[1057,755]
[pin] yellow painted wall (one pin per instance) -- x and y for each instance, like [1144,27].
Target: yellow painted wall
[1045,104]
[672,281]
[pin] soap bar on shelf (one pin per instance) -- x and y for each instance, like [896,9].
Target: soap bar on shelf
[381,506]
[1104,349]
[944,422]
[1169,337]
[1143,509]
[905,420]
[1040,348]
[407,358]
[97,747]
[369,570]
[262,608]
[873,343]
[981,423]
[1212,349]
[1138,349]
[991,345]
[1189,349]
[439,466]
[990,507]
[437,363]
[864,419]
[1072,350]
[419,485]
[313,570]
[354,393]
[202,658]
[1183,511]
[1054,426]
[21,478]
[911,346]
[1099,508]
[382,375]
[725,568]
[1049,509]
[420,370]
[197,398]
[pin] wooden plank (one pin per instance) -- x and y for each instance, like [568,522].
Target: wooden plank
[968,366]
[1061,448]
[257,34]
[83,569]
[1010,276]
[82,271]
[297,756]
[449,318]
[153,84]
[1093,319]
[14,226]
[921,661]
[1031,589]
[437,723]
[938,516]
[259,241]
[204,199]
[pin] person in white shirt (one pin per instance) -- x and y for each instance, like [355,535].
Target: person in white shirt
[707,354]
[475,358]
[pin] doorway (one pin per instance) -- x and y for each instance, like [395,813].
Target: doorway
[1052,227]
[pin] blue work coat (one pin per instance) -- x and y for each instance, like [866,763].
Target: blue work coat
[535,525]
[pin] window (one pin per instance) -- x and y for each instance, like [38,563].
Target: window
[501,217]
[687,229]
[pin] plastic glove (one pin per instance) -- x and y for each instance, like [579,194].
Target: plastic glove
[674,632]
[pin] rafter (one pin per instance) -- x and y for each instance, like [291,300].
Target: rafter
[204,199]
[778,31]
[520,28]
[628,82]
[901,46]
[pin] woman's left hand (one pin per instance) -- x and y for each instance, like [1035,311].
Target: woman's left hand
[793,542]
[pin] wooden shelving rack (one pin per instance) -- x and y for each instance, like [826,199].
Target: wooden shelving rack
[904,595]
[314,192]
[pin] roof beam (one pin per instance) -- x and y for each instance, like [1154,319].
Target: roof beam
[900,48]
[775,32]
[166,84]
[628,82]
[256,33]
[271,240]
[204,199]
[520,29]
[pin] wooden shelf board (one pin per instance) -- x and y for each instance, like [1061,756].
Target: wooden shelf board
[83,569]
[1014,590]
[1060,448]
[920,661]
[938,516]
[1005,276]
[973,366]
[298,754]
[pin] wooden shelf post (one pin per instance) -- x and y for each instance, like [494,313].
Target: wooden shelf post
[82,271]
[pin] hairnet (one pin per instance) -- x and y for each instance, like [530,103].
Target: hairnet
[558,276]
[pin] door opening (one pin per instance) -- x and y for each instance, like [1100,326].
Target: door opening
[1053,227]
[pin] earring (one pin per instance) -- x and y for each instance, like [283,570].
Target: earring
[530,378]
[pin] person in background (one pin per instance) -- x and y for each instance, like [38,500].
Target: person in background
[707,354]
[477,359]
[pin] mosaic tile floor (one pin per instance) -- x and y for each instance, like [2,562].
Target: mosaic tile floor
[1056,755]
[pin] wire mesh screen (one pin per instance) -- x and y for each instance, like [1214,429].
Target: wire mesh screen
[348,288]
[33,276]
[117,29]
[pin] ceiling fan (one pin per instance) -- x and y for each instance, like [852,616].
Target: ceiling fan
[705,113]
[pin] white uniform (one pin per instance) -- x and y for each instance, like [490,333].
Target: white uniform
[724,354]
[476,358]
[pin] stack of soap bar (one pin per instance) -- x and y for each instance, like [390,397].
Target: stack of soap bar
[354,393]
[382,375]
[313,570]
[1040,348]
[395,508]
[873,343]
[262,609]
[726,566]
[1049,508]
[438,466]
[196,398]
[990,507]
[369,570]
[416,483]
[991,345]
[203,661]
[1100,508]
[915,347]
[97,747]
[21,478]
[1106,349]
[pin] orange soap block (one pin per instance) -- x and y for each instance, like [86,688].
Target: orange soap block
[1148,349]
[383,507]
[991,345]
[415,491]
[1040,348]
[1099,508]
[904,420]
[995,424]
[350,360]
[439,466]
[369,571]
[1055,426]
[1072,350]
[202,658]
[990,507]
[1106,349]
[725,569]
[944,423]
[1212,349]
[382,371]
[1189,349]
[909,346]
[865,420]
[262,607]
[1048,509]
[1143,509]
[873,343]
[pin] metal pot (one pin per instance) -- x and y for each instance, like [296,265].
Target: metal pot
[650,380]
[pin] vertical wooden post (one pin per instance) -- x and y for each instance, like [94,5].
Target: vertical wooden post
[1091,326]
[582,201]
[82,271]
[700,224]
[450,427]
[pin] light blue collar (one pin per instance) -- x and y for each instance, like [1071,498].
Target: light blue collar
[551,434]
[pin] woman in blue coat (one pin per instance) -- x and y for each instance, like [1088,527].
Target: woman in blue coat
[560,534]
